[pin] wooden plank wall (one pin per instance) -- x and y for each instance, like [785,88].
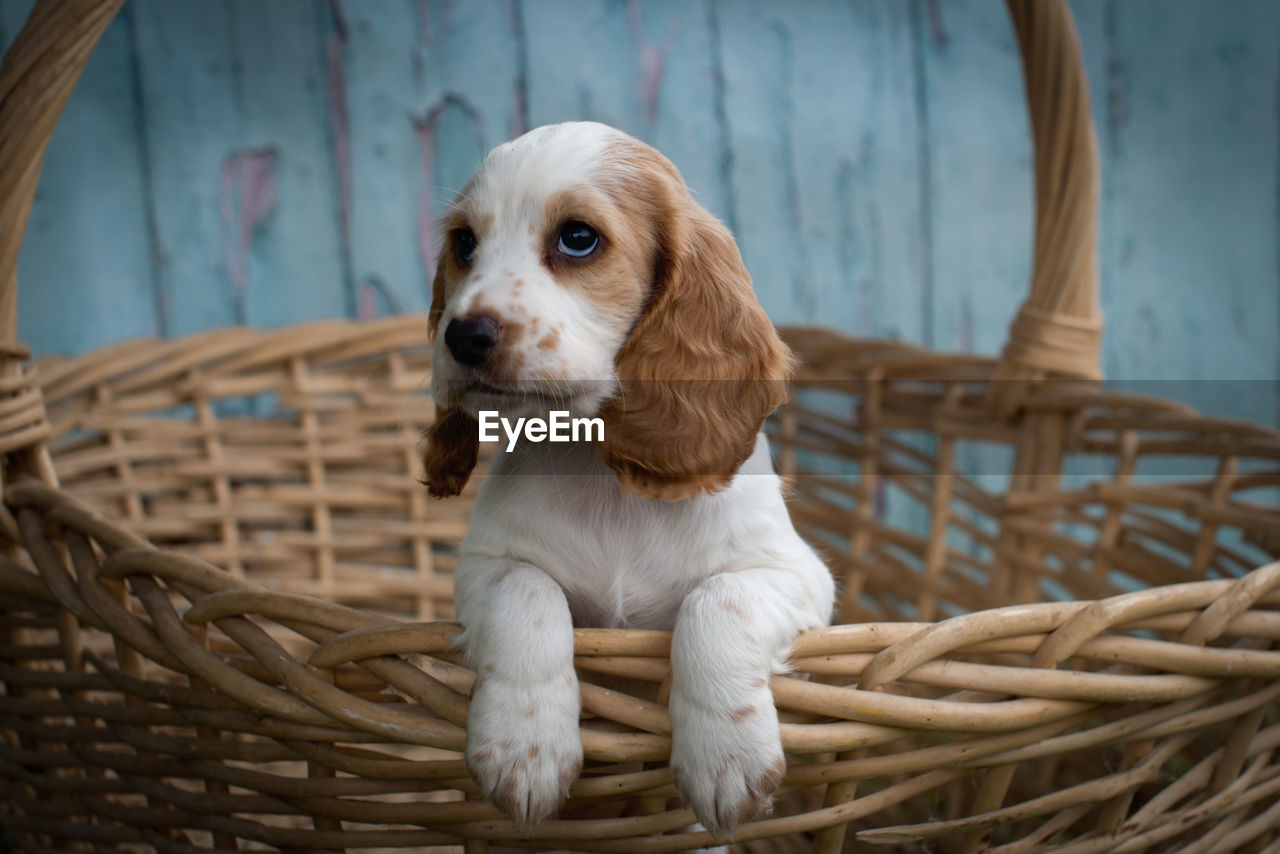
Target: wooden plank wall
[233,161]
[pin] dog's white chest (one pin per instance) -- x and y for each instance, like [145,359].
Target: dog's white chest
[622,561]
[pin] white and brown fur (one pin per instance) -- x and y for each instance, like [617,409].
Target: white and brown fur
[675,521]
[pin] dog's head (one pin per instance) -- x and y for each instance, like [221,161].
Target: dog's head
[577,272]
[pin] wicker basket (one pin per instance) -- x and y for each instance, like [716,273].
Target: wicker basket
[225,629]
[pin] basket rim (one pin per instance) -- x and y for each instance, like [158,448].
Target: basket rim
[365,634]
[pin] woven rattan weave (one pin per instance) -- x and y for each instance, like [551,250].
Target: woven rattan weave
[224,596]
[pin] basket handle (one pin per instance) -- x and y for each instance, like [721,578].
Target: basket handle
[36,78]
[1058,330]
[37,75]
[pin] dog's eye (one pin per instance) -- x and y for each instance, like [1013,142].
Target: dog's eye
[464,245]
[577,239]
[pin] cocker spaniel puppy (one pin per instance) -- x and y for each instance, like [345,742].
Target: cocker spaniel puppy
[578,274]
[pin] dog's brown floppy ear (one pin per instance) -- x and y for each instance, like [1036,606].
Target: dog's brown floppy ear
[449,451]
[451,445]
[700,371]
[437,299]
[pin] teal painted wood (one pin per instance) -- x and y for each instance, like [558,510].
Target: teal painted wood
[979,176]
[243,190]
[1189,243]
[292,252]
[676,72]
[768,216]
[185,79]
[379,57]
[230,161]
[645,67]
[428,87]
[86,267]
[583,62]
[824,176]
[864,198]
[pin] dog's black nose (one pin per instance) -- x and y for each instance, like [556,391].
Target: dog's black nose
[470,339]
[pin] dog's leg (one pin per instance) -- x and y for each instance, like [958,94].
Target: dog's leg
[733,631]
[523,745]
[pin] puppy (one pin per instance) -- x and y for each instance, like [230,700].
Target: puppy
[577,273]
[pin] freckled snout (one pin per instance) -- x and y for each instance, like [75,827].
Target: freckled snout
[471,339]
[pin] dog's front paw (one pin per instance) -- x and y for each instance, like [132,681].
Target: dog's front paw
[727,763]
[523,745]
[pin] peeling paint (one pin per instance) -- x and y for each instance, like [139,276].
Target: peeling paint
[724,135]
[340,133]
[652,62]
[426,32]
[338,121]
[937,26]
[653,59]
[367,304]
[373,293]
[246,198]
[185,91]
[425,129]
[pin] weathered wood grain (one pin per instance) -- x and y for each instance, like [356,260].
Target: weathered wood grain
[185,71]
[293,252]
[645,67]
[428,88]
[980,192]
[1189,243]
[375,68]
